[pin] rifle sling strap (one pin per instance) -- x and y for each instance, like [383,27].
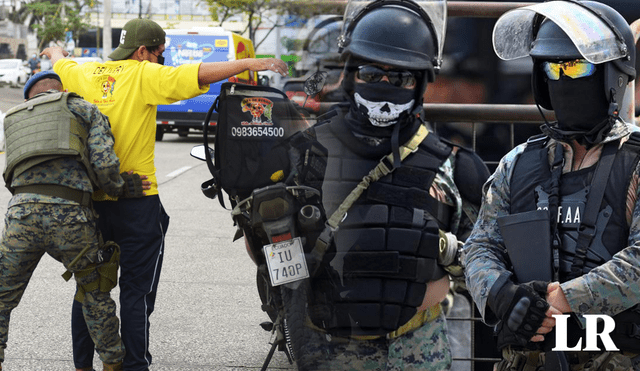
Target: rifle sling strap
[384,167]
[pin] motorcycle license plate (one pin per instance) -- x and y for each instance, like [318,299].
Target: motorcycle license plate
[286,261]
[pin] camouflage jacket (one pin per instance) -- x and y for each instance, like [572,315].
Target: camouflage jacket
[604,290]
[71,173]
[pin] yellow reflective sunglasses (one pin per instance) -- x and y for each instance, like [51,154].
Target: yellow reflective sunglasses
[573,69]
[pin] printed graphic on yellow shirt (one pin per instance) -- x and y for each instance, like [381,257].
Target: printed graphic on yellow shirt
[258,107]
[108,83]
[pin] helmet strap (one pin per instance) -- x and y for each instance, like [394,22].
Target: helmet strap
[614,111]
[587,139]
[546,122]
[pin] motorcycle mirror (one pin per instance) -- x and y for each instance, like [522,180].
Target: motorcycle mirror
[199,153]
[314,84]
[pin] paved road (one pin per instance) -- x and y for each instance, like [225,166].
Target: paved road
[207,312]
[10,97]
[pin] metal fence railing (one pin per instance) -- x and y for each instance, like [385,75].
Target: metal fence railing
[475,118]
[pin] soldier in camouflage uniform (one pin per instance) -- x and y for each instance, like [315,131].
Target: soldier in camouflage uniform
[375,302]
[559,227]
[51,179]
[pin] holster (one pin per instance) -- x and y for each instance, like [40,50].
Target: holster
[527,237]
[107,265]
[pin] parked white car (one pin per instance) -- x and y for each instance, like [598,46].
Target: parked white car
[13,72]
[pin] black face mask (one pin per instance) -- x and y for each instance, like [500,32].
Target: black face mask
[579,104]
[161,59]
[381,101]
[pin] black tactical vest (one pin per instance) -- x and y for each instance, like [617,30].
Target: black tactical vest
[386,249]
[530,190]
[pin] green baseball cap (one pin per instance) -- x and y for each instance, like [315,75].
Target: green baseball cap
[135,33]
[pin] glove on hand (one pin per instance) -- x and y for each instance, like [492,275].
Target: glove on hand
[132,185]
[521,308]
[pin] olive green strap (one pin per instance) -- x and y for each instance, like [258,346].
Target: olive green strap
[67,274]
[76,195]
[382,169]
[107,271]
[376,173]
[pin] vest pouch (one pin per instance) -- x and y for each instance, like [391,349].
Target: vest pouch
[527,237]
[626,335]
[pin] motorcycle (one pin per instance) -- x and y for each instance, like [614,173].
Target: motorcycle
[280,224]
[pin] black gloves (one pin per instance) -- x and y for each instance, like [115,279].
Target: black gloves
[521,309]
[132,185]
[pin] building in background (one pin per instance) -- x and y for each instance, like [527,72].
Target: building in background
[169,14]
[14,41]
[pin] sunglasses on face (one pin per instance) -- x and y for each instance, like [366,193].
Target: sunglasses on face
[371,74]
[574,69]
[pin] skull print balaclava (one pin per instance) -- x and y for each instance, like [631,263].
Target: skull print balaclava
[383,103]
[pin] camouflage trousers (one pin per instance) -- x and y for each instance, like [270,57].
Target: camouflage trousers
[578,361]
[426,348]
[61,231]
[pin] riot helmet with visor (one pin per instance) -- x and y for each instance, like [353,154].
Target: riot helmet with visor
[405,35]
[585,41]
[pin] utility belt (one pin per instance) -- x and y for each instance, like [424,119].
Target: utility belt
[71,194]
[108,254]
[417,321]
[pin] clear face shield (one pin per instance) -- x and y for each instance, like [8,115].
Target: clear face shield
[435,10]
[596,41]
[594,36]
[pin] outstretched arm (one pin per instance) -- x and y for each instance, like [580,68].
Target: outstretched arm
[54,53]
[211,72]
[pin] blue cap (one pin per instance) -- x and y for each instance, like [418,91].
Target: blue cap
[49,74]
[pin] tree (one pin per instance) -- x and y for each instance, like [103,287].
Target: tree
[48,21]
[255,11]
[76,23]
[52,18]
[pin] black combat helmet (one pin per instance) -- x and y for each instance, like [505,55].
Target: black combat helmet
[398,33]
[552,43]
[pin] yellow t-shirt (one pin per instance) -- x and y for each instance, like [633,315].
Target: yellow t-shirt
[128,92]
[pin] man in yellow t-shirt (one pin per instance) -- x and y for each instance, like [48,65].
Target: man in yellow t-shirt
[128,90]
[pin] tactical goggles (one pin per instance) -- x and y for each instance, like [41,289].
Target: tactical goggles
[573,69]
[371,74]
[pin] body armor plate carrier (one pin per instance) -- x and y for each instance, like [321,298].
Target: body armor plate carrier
[386,249]
[43,129]
[530,191]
